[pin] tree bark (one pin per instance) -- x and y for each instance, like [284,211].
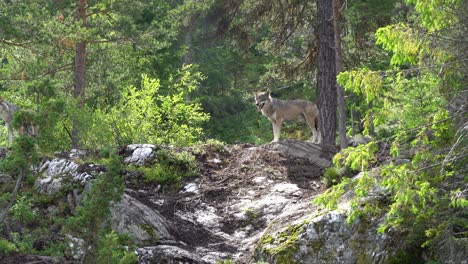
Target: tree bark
[5,211]
[337,19]
[79,71]
[326,73]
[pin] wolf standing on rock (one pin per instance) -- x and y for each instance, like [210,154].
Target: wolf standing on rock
[288,110]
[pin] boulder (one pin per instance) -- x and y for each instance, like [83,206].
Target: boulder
[143,224]
[167,254]
[53,174]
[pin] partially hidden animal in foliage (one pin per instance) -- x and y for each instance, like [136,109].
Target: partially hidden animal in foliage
[277,111]
[26,125]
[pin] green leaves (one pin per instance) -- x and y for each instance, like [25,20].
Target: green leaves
[402,41]
[358,158]
[154,114]
[437,14]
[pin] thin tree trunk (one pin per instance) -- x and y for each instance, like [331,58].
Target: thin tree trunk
[326,73]
[13,197]
[337,18]
[79,71]
[370,117]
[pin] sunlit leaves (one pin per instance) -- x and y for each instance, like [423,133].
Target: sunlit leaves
[436,14]
[402,41]
[358,158]
[146,114]
[366,82]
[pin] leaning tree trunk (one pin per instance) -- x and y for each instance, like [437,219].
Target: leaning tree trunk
[5,211]
[79,71]
[326,73]
[337,18]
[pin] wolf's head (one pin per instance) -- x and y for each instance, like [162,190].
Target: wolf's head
[261,98]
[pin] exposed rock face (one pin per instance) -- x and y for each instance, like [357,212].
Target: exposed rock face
[167,254]
[240,191]
[249,203]
[131,217]
[138,154]
[327,238]
[53,174]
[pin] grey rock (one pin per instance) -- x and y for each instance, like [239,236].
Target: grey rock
[167,254]
[358,140]
[140,154]
[145,225]
[300,149]
[54,173]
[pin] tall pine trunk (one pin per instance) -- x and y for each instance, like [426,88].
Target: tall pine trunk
[337,18]
[326,73]
[79,71]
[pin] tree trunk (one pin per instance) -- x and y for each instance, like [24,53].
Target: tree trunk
[79,71]
[326,73]
[5,211]
[337,18]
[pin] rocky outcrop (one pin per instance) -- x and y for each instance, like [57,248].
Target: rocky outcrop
[241,190]
[326,238]
[129,216]
[249,203]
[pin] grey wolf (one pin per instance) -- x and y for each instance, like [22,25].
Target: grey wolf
[7,110]
[288,110]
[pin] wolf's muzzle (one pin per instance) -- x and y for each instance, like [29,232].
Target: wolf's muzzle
[260,106]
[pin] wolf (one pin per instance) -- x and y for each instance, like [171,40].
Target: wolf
[288,110]
[7,110]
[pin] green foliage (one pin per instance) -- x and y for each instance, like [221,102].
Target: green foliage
[112,250]
[150,114]
[436,15]
[401,41]
[358,158]
[22,210]
[23,242]
[170,167]
[22,155]
[6,247]
[334,175]
[214,145]
[91,219]
[330,198]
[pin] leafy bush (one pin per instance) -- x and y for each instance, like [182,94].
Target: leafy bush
[112,250]
[152,113]
[170,167]
[334,175]
[6,247]
[91,220]
[22,210]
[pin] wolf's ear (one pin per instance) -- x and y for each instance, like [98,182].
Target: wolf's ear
[268,92]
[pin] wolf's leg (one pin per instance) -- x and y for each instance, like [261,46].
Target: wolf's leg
[310,120]
[276,128]
[273,123]
[279,122]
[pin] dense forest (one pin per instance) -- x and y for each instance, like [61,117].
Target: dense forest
[389,78]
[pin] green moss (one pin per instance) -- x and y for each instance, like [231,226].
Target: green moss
[150,231]
[363,259]
[283,245]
